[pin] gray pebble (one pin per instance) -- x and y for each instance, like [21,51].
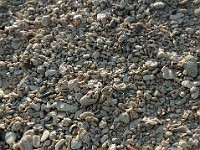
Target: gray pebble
[76,144]
[50,72]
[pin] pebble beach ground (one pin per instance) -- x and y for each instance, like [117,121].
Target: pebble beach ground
[100,75]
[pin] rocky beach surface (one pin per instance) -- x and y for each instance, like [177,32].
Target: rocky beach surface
[100,75]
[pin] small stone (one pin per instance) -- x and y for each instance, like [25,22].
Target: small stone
[197,12]
[148,77]
[36,141]
[189,30]
[45,136]
[124,117]
[61,106]
[102,17]
[120,86]
[177,16]
[161,54]
[50,72]
[198,113]
[15,45]
[167,73]
[62,69]
[59,144]
[90,98]
[46,20]
[38,127]
[65,122]
[187,84]
[25,144]
[128,19]
[190,65]
[121,38]
[112,147]
[104,138]
[182,129]
[158,5]
[183,144]
[10,138]
[16,126]
[34,62]
[33,87]
[73,85]
[76,144]
[194,91]
[52,135]
[195,142]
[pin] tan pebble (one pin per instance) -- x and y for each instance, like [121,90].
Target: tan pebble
[59,144]
[45,136]
[85,114]
[52,135]
[66,121]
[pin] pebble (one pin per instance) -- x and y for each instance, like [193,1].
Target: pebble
[148,77]
[195,142]
[158,5]
[183,144]
[52,135]
[25,143]
[112,147]
[16,126]
[177,16]
[50,73]
[45,20]
[194,91]
[59,144]
[104,138]
[61,106]
[87,100]
[73,85]
[10,138]
[124,117]
[190,65]
[36,141]
[76,144]
[187,84]
[102,17]
[45,136]
[66,122]
[167,73]
[182,129]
